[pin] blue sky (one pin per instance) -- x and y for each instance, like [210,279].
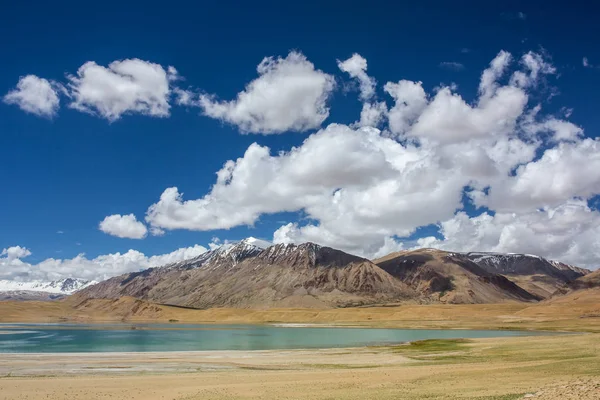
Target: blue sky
[66,173]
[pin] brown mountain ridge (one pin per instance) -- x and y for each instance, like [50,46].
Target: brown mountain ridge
[306,275]
[245,275]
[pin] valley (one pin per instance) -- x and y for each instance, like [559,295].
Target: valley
[306,285]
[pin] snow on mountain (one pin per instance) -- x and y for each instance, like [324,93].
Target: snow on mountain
[515,263]
[63,286]
[252,241]
[234,252]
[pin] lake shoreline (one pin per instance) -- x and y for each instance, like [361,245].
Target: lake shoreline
[507,367]
[29,338]
[578,314]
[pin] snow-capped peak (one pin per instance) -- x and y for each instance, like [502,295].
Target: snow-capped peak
[262,244]
[234,251]
[62,286]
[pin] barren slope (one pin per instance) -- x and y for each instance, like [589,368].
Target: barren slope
[451,278]
[535,274]
[307,275]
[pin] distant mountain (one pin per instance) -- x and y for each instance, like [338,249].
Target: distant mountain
[247,275]
[535,274]
[589,281]
[525,264]
[583,291]
[451,277]
[40,290]
[63,286]
[158,280]
[29,295]
[255,273]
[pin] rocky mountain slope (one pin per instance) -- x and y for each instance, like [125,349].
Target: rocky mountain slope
[40,290]
[535,274]
[254,273]
[139,284]
[451,278]
[246,275]
[585,286]
[589,281]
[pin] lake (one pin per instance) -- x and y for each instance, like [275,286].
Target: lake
[60,338]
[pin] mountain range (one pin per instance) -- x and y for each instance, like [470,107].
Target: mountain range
[39,290]
[255,274]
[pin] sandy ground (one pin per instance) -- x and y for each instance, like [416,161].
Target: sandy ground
[546,367]
[579,311]
[539,367]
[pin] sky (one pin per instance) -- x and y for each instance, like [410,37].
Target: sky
[135,134]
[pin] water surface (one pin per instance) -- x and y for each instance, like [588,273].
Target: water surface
[60,338]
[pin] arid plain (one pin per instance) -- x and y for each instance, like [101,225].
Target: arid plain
[558,366]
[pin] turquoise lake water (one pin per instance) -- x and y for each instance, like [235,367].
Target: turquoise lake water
[60,338]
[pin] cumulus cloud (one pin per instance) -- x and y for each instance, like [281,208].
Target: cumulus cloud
[124,226]
[130,86]
[35,95]
[535,67]
[373,112]
[410,101]
[563,172]
[260,183]
[364,189]
[356,67]
[569,232]
[99,268]
[15,252]
[289,95]
[489,78]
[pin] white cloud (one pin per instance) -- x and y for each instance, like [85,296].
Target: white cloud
[536,67]
[356,67]
[364,189]
[448,118]
[489,78]
[557,129]
[154,231]
[289,95]
[587,64]
[184,97]
[124,226]
[260,183]
[373,114]
[15,252]
[99,268]
[360,185]
[410,101]
[452,65]
[569,233]
[563,172]
[35,95]
[130,86]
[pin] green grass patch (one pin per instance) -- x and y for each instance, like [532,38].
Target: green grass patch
[434,346]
